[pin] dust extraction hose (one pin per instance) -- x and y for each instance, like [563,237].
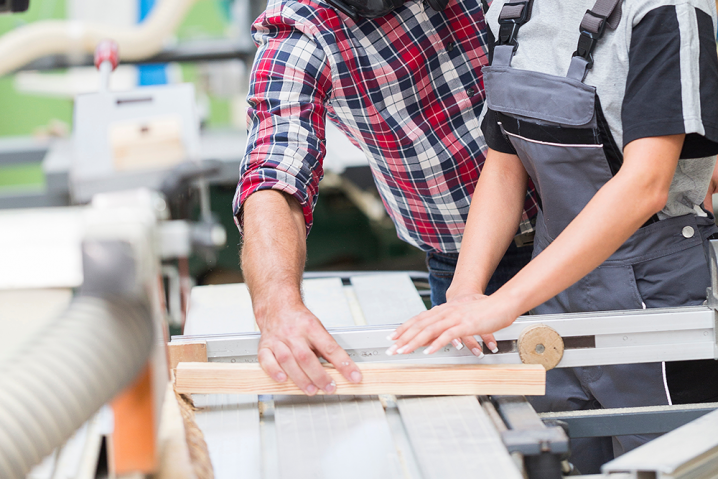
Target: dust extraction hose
[80,362]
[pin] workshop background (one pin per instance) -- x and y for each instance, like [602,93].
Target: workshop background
[351,230]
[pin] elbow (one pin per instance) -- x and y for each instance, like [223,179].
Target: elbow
[655,199]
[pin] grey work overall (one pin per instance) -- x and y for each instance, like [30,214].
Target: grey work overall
[557,128]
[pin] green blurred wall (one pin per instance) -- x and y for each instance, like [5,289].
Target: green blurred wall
[23,114]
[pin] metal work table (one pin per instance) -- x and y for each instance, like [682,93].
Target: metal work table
[341,436]
[277,437]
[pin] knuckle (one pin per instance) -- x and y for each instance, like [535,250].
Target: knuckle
[303,355]
[283,356]
[331,347]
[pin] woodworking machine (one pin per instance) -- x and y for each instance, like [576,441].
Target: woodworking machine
[271,437]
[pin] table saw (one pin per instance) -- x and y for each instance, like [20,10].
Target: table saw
[268,437]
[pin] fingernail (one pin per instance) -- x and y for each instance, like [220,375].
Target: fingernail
[427,350]
[356,377]
[391,350]
[311,389]
[401,350]
[281,377]
[493,348]
[331,387]
[392,336]
[457,344]
[478,353]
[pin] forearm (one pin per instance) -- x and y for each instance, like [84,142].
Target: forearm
[274,252]
[617,210]
[493,220]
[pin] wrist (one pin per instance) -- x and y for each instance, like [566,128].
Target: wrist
[457,290]
[513,298]
[277,305]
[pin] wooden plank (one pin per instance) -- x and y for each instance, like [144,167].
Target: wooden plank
[187,353]
[388,298]
[230,424]
[454,437]
[175,458]
[325,438]
[379,378]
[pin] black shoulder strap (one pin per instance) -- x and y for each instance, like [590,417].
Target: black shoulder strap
[512,17]
[604,13]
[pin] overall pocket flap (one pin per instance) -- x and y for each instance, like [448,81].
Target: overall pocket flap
[537,95]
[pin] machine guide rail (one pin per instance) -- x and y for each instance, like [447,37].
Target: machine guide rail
[590,339]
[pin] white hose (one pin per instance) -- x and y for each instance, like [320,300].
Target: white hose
[69,370]
[25,44]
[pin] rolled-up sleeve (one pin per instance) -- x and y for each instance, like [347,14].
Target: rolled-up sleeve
[290,83]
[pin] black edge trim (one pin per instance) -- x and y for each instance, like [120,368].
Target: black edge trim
[549,134]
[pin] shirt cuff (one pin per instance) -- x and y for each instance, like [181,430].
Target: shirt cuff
[256,181]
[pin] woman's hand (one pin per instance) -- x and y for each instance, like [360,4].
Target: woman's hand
[470,341]
[462,317]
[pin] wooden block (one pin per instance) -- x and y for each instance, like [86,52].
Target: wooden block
[147,144]
[540,344]
[379,378]
[187,353]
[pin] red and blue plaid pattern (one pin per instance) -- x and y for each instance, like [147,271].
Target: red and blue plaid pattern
[405,88]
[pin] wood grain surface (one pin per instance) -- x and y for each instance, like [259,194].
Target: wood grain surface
[379,378]
[187,352]
[540,344]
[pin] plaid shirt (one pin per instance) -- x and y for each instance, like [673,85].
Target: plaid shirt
[405,88]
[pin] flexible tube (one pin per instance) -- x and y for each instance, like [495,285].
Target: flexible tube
[73,367]
[25,44]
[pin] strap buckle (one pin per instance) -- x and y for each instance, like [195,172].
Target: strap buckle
[588,39]
[509,23]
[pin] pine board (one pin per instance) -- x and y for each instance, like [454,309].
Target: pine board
[379,378]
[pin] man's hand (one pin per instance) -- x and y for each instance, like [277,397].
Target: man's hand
[273,257]
[289,347]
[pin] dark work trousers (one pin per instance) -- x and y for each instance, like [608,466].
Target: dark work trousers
[442,266]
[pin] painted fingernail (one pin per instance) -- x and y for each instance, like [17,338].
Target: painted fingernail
[311,389]
[457,344]
[401,350]
[392,336]
[280,377]
[356,377]
[427,350]
[478,353]
[492,347]
[331,387]
[392,349]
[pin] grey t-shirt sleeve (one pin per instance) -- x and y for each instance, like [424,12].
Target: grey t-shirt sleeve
[672,83]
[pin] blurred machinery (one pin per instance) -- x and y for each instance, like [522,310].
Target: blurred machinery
[135,176]
[351,221]
[14,6]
